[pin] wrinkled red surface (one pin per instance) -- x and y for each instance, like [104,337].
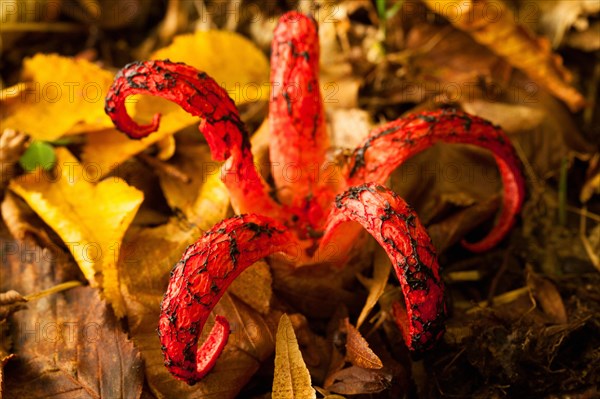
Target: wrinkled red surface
[305,209]
[396,227]
[390,145]
[199,280]
[298,149]
[200,95]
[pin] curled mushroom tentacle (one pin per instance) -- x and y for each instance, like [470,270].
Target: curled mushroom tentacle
[198,94]
[391,144]
[396,227]
[200,279]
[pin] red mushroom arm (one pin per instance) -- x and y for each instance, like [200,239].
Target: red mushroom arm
[390,145]
[395,226]
[299,139]
[199,280]
[201,96]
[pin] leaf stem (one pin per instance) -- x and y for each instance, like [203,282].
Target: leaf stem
[53,290]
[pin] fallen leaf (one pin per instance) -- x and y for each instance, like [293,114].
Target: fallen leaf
[90,218]
[67,345]
[358,351]
[592,181]
[12,146]
[348,127]
[193,160]
[166,148]
[4,358]
[587,40]
[217,53]
[10,302]
[253,287]
[357,380]
[557,17]
[376,286]
[291,379]
[62,93]
[445,177]
[548,296]
[231,59]
[38,154]
[516,44]
[318,290]
[23,223]
[453,228]
[544,129]
[316,350]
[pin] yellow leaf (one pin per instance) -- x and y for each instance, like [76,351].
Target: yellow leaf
[291,379]
[193,159]
[166,148]
[381,272]
[233,61]
[60,94]
[90,218]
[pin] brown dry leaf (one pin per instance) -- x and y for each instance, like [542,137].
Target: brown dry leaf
[544,129]
[592,183]
[23,223]
[4,358]
[12,146]
[548,297]
[67,345]
[357,380]
[445,177]
[318,290]
[452,229]
[90,218]
[316,350]
[558,16]
[358,351]
[514,42]
[194,161]
[10,302]
[348,127]
[376,286]
[217,53]
[253,287]
[291,379]
[62,94]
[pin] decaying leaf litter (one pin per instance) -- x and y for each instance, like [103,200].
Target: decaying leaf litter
[521,314]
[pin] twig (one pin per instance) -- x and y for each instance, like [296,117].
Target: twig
[595,259]
[499,274]
[165,168]
[53,290]
[41,27]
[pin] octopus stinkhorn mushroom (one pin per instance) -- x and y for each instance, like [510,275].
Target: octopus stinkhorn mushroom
[307,209]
